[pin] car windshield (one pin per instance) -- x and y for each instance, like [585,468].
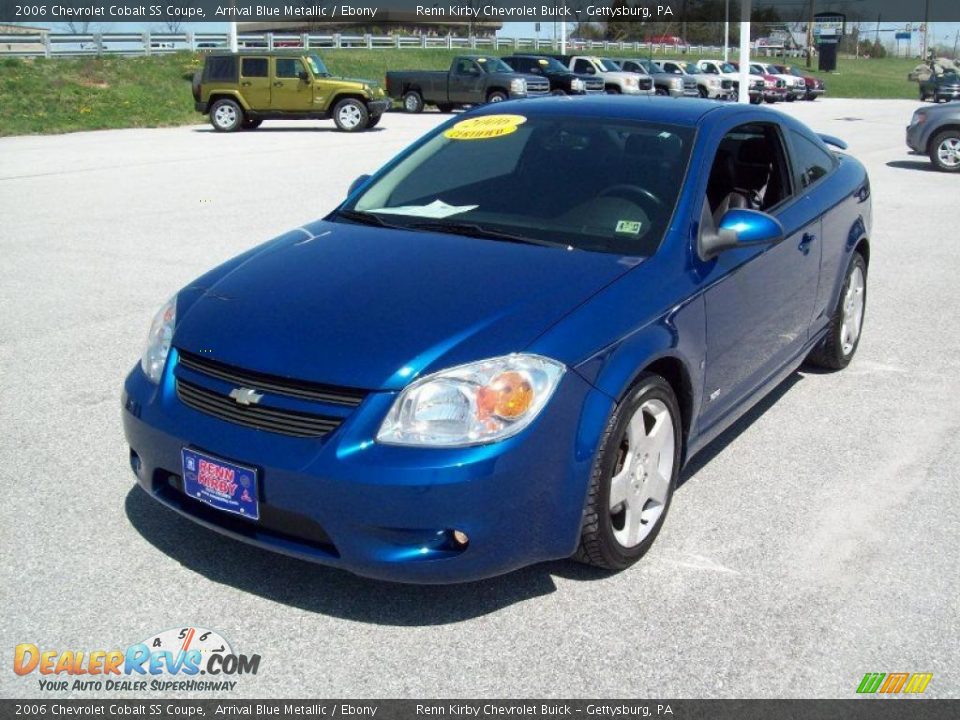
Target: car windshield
[494,65]
[727,68]
[689,67]
[316,65]
[606,185]
[551,64]
[648,66]
[608,65]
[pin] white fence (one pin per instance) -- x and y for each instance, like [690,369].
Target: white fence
[69,45]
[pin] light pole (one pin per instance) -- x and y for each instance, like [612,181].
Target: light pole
[726,31]
[744,91]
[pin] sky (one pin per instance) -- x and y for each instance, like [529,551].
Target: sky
[941,34]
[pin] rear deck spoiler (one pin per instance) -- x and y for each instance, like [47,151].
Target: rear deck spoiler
[832,140]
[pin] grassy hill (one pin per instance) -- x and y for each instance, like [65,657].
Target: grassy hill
[63,95]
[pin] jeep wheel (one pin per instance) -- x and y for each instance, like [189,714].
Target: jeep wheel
[496,96]
[351,115]
[412,102]
[226,115]
[252,123]
[945,151]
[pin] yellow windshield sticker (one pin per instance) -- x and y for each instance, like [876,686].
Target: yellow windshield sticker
[630,227]
[486,127]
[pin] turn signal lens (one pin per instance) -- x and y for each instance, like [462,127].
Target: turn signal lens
[508,396]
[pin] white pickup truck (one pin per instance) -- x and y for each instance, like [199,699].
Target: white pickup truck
[721,69]
[615,80]
[709,86]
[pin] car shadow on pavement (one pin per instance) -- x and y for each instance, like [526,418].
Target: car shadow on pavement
[305,128]
[334,592]
[330,591]
[912,165]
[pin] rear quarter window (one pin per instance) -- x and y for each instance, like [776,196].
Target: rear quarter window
[253,67]
[221,69]
[811,161]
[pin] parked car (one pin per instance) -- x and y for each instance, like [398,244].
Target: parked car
[503,347]
[795,86]
[664,83]
[936,132]
[471,80]
[674,40]
[813,87]
[615,80]
[708,86]
[240,91]
[562,81]
[945,87]
[773,89]
[726,70]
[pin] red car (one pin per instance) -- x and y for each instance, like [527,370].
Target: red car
[815,86]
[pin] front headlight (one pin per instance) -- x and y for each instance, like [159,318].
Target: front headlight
[158,340]
[518,86]
[472,404]
[676,83]
[714,83]
[577,84]
[631,82]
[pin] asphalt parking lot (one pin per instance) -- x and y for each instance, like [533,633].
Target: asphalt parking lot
[814,542]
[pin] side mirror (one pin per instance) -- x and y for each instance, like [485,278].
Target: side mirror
[356,184]
[739,228]
[304,75]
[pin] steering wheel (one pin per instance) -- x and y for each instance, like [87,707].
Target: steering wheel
[636,191]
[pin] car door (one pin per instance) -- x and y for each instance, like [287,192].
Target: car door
[255,82]
[759,300]
[466,83]
[289,91]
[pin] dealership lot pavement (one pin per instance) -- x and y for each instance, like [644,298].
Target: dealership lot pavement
[813,543]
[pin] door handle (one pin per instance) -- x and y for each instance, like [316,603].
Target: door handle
[246,83]
[805,242]
[278,84]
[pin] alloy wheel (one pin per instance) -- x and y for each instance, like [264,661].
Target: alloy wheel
[640,486]
[226,116]
[350,116]
[852,311]
[949,152]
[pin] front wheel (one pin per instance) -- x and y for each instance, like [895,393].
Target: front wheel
[945,151]
[496,96]
[837,348]
[702,91]
[613,90]
[350,115]
[226,115]
[634,476]
[661,91]
[756,99]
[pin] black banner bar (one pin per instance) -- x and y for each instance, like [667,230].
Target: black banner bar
[853,709]
[383,13]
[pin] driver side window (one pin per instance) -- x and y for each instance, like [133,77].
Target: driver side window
[749,171]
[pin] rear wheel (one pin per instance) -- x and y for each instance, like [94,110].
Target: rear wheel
[412,102]
[350,115]
[837,348]
[945,151]
[634,476]
[226,115]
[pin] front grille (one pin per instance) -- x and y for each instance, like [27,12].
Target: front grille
[538,87]
[594,85]
[260,417]
[645,83]
[349,397]
[689,84]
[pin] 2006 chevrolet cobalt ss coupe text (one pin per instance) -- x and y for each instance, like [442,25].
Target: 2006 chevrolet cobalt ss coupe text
[503,347]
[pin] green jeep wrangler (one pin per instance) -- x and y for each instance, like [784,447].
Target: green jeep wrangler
[242,90]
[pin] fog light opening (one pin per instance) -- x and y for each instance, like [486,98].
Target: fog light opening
[135,463]
[460,539]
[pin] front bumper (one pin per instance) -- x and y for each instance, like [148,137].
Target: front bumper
[814,92]
[950,93]
[378,107]
[380,511]
[916,139]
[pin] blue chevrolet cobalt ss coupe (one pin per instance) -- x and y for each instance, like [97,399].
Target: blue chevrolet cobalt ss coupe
[504,345]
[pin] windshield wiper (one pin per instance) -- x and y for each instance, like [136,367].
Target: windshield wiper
[364,218]
[478,231]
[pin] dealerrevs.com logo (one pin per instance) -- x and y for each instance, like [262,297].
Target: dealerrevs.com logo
[188,659]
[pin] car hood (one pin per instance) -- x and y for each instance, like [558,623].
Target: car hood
[372,308]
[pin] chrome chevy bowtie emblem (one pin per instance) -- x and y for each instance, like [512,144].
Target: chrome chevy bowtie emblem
[245,396]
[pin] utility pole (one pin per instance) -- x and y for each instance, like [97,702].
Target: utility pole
[809,52]
[926,29]
[726,31]
[744,89]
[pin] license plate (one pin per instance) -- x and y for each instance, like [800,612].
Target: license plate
[220,484]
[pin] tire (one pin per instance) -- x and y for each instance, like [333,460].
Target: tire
[608,538]
[412,102]
[756,100]
[612,90]
[558,92]
[496,96]
[350,115]
[662,92]
[251,123]
[226,115]
[702,91]
[790,97]
[923,95]
[373,121]
[838,347]
[945,151]
[445,108]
